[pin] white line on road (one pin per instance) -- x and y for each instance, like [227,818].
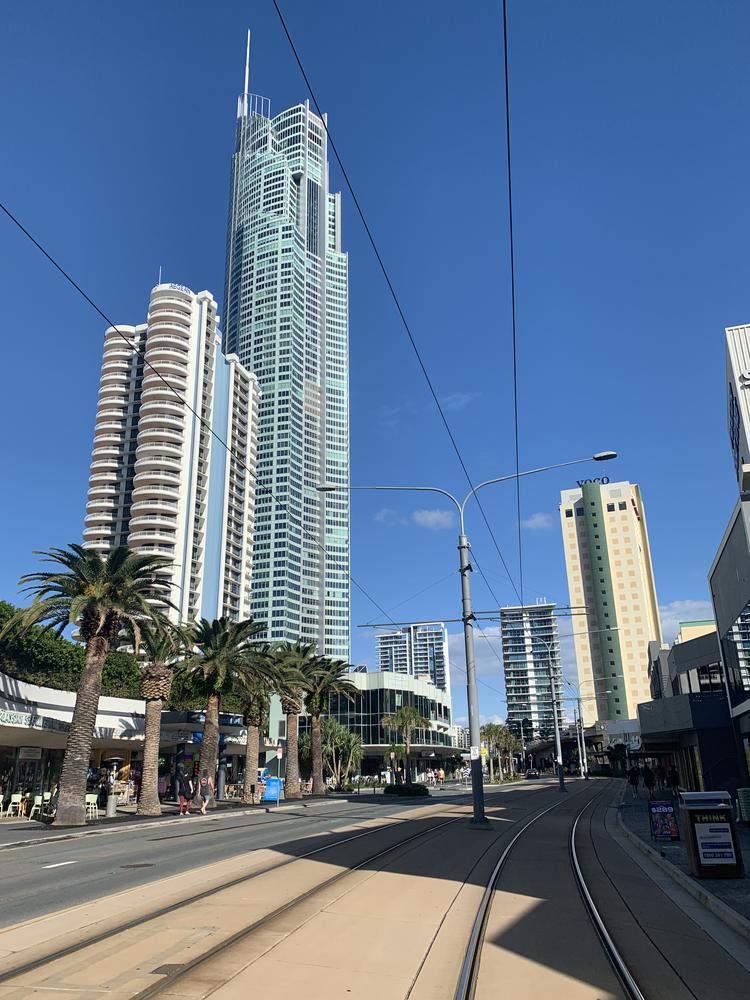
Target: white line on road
[60,864]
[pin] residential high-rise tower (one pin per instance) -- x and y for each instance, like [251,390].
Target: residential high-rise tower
[612,590]
[418,650]
[286,317]
[160,480]
[531,660]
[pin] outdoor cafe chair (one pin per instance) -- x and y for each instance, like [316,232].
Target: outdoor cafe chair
[36,807]
[92,806]
[16,802]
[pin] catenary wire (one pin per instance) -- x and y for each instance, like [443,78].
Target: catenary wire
[264,489]
[512,291]
[394,296]
[419,593]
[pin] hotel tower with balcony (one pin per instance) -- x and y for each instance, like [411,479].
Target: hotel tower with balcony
[533,675]
[286,318]
[161,480]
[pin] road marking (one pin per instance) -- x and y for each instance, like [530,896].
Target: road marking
[60,864]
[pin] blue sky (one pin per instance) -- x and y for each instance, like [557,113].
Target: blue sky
[630,146]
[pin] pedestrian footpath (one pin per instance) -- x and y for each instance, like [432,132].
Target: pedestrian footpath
[734,892]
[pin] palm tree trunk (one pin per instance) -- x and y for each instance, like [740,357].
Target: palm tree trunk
[210,746]
[252,752]
[71,809]
[148,804]
[318,787]
[291,784]
[492,767]
[407,748]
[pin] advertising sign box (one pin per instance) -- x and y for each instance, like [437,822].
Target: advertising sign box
[708,822]
[272,791]
[713,838]
[662,820]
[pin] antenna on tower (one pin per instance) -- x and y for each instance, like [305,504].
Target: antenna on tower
[247,70]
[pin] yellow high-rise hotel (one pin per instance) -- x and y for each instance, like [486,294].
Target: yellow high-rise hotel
[611,586]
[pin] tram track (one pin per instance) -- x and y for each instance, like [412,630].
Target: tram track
[166,985]
[11,976]
[466,986]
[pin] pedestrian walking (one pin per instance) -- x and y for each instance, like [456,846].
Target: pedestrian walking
[674,780]
[441,777]
[205,790]
[634,777]
[661,777]
[185,792]
[649,780]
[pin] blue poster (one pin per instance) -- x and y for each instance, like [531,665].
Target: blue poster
[272,791]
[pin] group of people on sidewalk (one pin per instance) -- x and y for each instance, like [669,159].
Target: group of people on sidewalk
[658,777]
[199,789]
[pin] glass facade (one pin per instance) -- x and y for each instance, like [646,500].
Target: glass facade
[286,317]
[364,713]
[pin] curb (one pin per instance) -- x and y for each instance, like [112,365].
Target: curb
[124,827]
[725,913]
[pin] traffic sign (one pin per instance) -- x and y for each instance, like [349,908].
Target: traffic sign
[279,752]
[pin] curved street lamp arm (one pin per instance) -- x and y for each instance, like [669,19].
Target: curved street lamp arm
[521,475]
[409,489]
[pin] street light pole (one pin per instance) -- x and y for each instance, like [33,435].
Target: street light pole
[576,720]
[472,697]
[584,759]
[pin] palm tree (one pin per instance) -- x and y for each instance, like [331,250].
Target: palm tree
[221,652]
[492,733]
[253,695]
[163,646]
[103,597]
[293,661]
[405,720]
[323,678]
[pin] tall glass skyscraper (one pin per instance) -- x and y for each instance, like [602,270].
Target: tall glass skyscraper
[286,318]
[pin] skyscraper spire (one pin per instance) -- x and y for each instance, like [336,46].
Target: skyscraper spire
[247,71]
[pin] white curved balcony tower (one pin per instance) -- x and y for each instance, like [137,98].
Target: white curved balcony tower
[161,480]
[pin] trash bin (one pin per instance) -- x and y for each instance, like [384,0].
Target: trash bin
[708,824]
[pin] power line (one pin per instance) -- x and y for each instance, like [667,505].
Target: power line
[512,292]
[419,593]
[392,290]
[141,354]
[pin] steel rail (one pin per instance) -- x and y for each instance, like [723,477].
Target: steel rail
[470,966]
[19,970]
[618,962]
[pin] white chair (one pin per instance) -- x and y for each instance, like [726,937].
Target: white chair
[36,807]
[92,806]
[16,802]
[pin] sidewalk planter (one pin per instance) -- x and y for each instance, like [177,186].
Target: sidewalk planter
[408,791]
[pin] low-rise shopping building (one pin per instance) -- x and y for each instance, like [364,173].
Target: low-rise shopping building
[381,693]
[687,723]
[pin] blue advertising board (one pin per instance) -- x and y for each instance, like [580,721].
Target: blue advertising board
[272,791]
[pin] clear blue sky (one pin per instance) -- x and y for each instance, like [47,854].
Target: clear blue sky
[630,129]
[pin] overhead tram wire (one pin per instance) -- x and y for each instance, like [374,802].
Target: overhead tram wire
[395,297]
[512,291]
[419,593]
[141,354]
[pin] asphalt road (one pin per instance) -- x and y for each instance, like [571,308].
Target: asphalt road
[43,878]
